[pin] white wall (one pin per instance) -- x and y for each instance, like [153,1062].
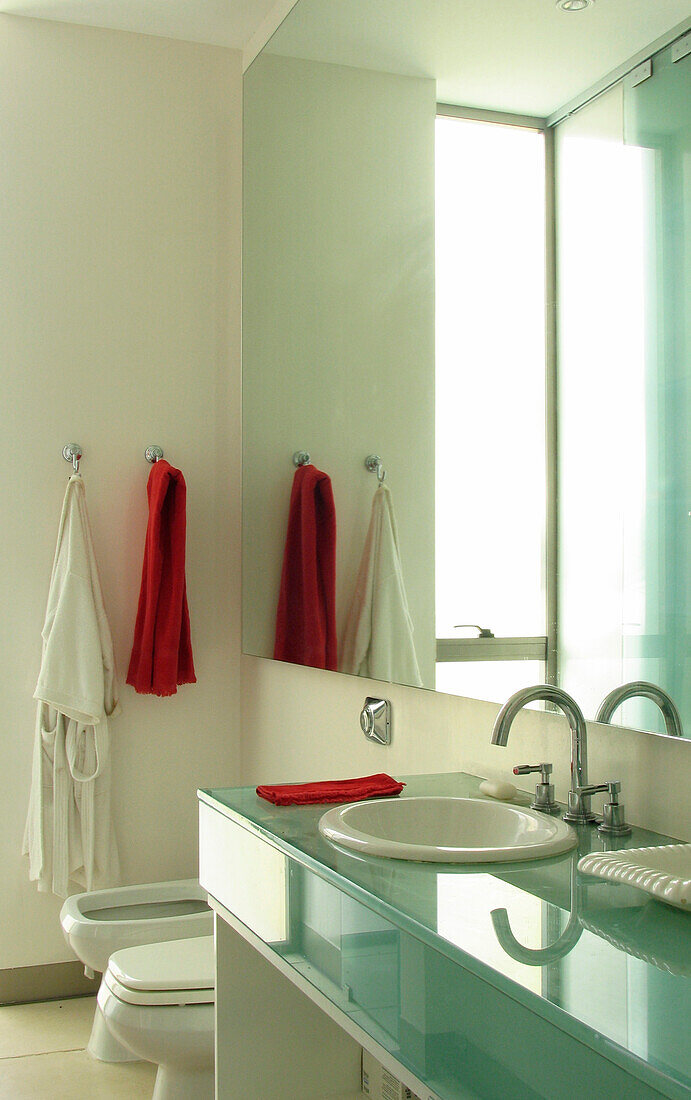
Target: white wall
[338,323]
[119,237]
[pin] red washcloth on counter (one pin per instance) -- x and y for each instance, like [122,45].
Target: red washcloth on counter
[162,649]
[306,615]
[336,790]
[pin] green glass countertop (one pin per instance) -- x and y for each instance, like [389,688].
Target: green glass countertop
[604,962]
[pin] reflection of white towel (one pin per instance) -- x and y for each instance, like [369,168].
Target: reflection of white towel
[378,640]
[68,833]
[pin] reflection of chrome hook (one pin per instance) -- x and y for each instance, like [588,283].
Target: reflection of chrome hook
[540,956]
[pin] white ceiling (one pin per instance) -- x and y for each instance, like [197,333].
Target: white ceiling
[515,55]
[218,22]
[524,56]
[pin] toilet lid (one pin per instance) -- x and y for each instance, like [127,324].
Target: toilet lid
[175,972]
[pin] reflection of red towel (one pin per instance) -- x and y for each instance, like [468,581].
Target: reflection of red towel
[336,790]
[306,616]
[162,652]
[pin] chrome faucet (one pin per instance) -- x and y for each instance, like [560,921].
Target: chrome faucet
[579,811]
[647,691]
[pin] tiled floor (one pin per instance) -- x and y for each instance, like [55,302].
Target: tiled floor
[42,1054]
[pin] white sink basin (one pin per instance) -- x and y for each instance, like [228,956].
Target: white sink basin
[446,830]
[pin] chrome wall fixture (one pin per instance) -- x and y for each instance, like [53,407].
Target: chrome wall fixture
[375,465]
[301,458]
[153,454]
[72,452]
[375,720]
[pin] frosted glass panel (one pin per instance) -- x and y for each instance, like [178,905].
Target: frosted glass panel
[624,208]
[602,327]
[490,437]
[657,120]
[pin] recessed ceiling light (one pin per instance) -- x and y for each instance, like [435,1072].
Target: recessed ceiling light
[574,5]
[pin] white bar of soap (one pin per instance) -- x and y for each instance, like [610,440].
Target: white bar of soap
[496,788]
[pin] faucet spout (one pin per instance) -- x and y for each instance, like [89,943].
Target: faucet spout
[579,738]
[645,690]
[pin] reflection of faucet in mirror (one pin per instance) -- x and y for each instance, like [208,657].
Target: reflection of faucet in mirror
[646,691]
[540,956]
[579,812]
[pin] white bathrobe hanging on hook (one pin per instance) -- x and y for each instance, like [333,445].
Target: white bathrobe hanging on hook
[69,835]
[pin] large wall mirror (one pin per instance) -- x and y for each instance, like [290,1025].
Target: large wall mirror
[467,252]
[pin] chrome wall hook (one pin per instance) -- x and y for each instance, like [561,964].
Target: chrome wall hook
[375,465]
[72,452]
[153,454]
[301,458]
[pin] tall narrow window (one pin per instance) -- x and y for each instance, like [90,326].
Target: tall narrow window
[490,402]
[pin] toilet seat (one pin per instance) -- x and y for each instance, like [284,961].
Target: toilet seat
[147,901]
[103,921]
[176,972]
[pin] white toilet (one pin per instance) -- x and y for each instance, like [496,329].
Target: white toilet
[103,921]
[159,1001]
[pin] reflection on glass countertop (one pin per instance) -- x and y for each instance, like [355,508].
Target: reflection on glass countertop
[613,960]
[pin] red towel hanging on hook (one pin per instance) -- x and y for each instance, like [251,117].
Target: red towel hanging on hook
[306,616]
[162,649]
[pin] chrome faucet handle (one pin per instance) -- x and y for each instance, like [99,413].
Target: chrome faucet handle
[526,769]
[613,820]
[544,790]
[579,811]
[594,788]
